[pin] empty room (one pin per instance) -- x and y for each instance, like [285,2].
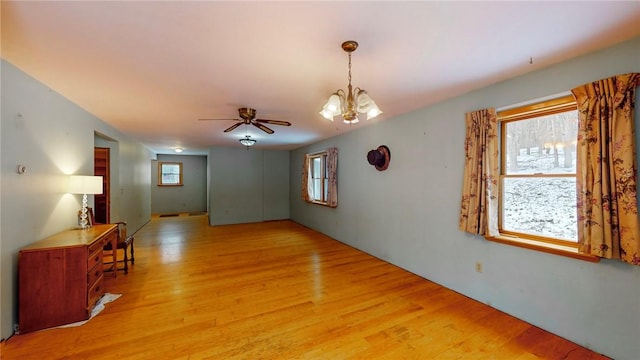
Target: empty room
[319,180]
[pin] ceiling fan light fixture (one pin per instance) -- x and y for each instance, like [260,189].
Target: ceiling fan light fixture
[248,141]
[353,102]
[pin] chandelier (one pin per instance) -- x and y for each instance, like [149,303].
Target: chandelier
[352,102]
[248,141]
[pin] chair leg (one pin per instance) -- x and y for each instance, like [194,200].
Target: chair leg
[132,258]
[126,261]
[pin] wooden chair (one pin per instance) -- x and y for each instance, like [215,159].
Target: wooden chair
[125,242]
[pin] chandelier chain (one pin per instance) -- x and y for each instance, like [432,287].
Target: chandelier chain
[349,68]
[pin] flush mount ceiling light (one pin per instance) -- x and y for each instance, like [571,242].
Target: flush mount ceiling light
[178,150]
[248,141]
[352,102]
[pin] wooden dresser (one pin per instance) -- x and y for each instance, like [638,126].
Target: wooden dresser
[60,278]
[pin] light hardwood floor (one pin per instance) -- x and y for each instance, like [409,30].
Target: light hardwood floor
[277,290]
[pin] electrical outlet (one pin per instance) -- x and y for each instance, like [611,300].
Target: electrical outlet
[478,267]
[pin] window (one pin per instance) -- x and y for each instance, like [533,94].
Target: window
[320,178]
[170,174]
[538,171]
[318,173]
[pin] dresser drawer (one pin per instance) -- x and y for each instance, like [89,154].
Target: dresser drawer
[97,246]
[111,237]
[94,274]
[95,292]
[94,259]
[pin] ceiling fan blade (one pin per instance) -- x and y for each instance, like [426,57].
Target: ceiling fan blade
[262,127]
[232,127]
[217,119]
[274,122]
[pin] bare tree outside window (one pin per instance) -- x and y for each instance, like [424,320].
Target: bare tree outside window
[538,172]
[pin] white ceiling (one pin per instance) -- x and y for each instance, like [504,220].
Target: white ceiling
[151,69]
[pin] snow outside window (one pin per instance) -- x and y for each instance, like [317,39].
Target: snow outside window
[538,171]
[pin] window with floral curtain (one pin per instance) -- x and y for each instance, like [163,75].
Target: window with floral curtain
[606,175]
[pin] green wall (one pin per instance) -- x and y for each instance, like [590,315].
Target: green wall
[248,185]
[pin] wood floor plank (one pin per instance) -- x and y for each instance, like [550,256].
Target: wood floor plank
[278,290]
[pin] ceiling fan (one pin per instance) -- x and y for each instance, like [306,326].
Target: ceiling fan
[248,117]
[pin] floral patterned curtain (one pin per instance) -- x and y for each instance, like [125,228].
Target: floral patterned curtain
[332,172]
[479,208]
[306,183]
[608,224]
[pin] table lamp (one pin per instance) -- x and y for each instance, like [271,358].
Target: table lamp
[82,184]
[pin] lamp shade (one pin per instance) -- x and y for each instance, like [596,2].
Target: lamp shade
[373,111]
[332,108]
[82,184]
[366,105]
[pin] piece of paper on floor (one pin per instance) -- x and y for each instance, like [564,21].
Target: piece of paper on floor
[105,299]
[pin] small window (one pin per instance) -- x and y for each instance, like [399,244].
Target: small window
[319,177]
[170,174]
[538,171]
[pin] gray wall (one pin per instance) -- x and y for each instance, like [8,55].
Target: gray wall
[408,214]
[191,197]
[248,185]
[54,138]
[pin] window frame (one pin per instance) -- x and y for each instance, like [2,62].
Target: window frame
[555,105]
[161,165]
[322,155]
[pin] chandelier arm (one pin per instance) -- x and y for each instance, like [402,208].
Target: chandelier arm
[343,99]
[356,94]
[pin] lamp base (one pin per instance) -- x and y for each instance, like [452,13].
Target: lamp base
[83,222]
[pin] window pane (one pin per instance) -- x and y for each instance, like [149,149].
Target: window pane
[326,168]
[316,168]
[319,182]
[317,189]
[170,173]
[540,206]
[325,196]
[542,145]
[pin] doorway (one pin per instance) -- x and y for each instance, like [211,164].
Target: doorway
[102,202]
